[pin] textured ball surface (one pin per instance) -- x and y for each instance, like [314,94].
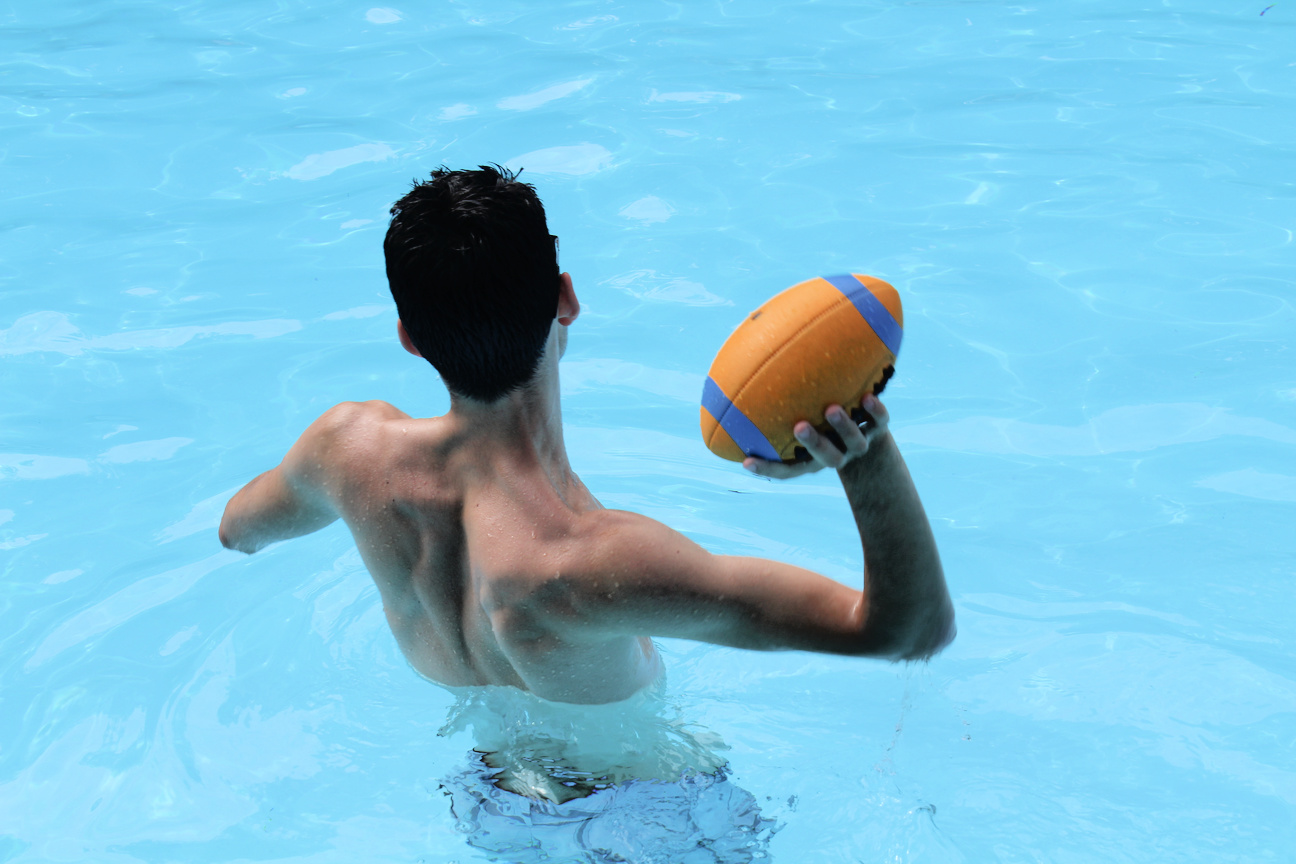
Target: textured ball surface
[827,340]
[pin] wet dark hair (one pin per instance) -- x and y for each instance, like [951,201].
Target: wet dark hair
[474,273]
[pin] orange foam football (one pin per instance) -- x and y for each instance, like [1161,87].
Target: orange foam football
[827,340]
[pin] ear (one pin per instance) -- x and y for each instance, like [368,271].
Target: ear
[568,305]
[406,342]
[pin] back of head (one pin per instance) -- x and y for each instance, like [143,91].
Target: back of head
[474,273]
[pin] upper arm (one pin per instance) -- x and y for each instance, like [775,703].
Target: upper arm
[645,579]
[296,497]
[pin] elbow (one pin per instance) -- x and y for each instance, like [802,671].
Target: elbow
[935,640]
[939,631]
[922,640]
[226,538]
[230,539]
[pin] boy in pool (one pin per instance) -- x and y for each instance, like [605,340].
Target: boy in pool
[495,564]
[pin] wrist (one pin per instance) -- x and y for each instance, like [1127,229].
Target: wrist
[881,450]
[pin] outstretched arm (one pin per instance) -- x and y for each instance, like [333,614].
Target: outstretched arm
[289,500]
[649,580]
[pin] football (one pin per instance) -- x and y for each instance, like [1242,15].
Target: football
[827,340]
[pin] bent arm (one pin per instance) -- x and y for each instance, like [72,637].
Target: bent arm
[908,612]
[648,580]
[291,499]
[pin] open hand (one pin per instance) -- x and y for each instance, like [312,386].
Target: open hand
[823,453]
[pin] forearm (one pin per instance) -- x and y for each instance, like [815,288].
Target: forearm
[907,610]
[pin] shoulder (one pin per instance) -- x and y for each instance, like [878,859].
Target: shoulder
[349,422]
[604,534]
[352,417]
[347,432]
[624,547]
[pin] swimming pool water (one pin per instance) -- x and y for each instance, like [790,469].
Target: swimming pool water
[1087,208]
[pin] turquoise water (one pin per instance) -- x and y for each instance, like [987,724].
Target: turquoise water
[1087,208]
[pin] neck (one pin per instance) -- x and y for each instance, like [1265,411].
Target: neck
[526,424]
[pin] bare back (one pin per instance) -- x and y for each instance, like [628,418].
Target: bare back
[466,543]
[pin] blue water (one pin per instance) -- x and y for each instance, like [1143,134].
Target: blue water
[1088,211]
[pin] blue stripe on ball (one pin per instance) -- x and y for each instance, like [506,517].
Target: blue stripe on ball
[875,314]
[744,432]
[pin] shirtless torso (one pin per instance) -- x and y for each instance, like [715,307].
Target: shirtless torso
[468,548]
[497,566]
